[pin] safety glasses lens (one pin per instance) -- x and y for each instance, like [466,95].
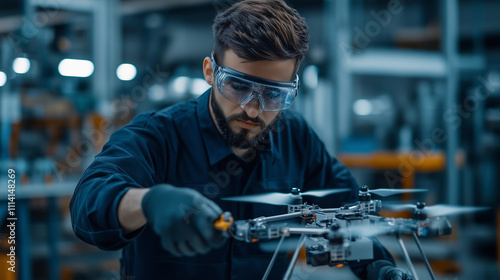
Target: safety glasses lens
[236,89]
[239,90]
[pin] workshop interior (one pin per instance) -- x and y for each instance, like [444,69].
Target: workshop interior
[406,94]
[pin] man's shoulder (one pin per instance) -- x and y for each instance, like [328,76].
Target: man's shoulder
[177,113]
[294,121]
[294,127]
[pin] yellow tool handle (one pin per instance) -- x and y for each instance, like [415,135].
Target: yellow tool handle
[224,222]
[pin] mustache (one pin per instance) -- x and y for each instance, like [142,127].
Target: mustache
[244,117]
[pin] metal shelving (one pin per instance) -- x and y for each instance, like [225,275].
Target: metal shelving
[396,63]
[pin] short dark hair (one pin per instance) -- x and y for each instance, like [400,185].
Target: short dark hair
[261,30]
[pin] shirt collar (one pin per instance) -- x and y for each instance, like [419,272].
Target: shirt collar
[272,149]
[216,148]
[214,143]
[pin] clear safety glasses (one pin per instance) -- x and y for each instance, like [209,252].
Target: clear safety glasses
[240,88]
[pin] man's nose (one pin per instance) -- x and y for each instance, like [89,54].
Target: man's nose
[252,107]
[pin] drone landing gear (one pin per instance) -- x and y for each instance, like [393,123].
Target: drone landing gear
[407,256]
[423,256]
[289,270]
[271,263]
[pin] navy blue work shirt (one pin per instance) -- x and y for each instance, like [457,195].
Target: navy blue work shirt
[181,146]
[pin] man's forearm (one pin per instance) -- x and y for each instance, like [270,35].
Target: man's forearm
[130,214]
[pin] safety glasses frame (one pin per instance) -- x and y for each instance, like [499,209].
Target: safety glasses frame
[221,73]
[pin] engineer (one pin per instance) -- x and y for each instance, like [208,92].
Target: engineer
[155,189]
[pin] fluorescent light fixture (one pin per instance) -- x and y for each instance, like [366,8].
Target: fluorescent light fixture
[199,86]
[126,71]
[311,76]
[21,65]
[181,84]
[363,107]
[157,93]
[3,79]
[76,68]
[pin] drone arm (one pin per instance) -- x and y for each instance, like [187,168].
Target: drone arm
[279,217]
[374,217]
[330,210]
[299,230]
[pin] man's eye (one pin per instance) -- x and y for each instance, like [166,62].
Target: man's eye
[239,86]
[272,94]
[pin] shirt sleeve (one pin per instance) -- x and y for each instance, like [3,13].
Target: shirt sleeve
[131,159]
[325,171]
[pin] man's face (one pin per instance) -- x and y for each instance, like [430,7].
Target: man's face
[243,126]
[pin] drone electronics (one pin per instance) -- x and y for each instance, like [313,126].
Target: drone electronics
[335,235]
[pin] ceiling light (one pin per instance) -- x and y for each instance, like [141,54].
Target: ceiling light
[3,79]
[21,65]
[126,72]
[76,68]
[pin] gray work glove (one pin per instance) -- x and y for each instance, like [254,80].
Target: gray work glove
[385,270]
[183,218]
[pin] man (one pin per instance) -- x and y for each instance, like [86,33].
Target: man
[155,190]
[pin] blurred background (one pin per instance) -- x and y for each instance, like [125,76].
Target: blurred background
[405,93]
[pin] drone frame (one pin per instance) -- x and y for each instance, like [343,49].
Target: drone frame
[257,229]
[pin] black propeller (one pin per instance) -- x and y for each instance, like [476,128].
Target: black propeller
[277,198]
[387,192]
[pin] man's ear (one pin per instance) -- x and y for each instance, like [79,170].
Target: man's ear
[208,71]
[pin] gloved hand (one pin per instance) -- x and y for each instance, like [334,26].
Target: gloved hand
[183,218]
[385,270]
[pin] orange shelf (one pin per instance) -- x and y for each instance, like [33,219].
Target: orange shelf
[406,163]
[385,160]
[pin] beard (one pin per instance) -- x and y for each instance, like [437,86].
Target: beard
[240,140]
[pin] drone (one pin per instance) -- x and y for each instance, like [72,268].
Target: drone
[333,236]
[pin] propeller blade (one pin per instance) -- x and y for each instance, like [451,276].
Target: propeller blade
[439,209]
[274,198]
[388,192]
[400,206]
[321,193]
[448,210]
[277,198]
